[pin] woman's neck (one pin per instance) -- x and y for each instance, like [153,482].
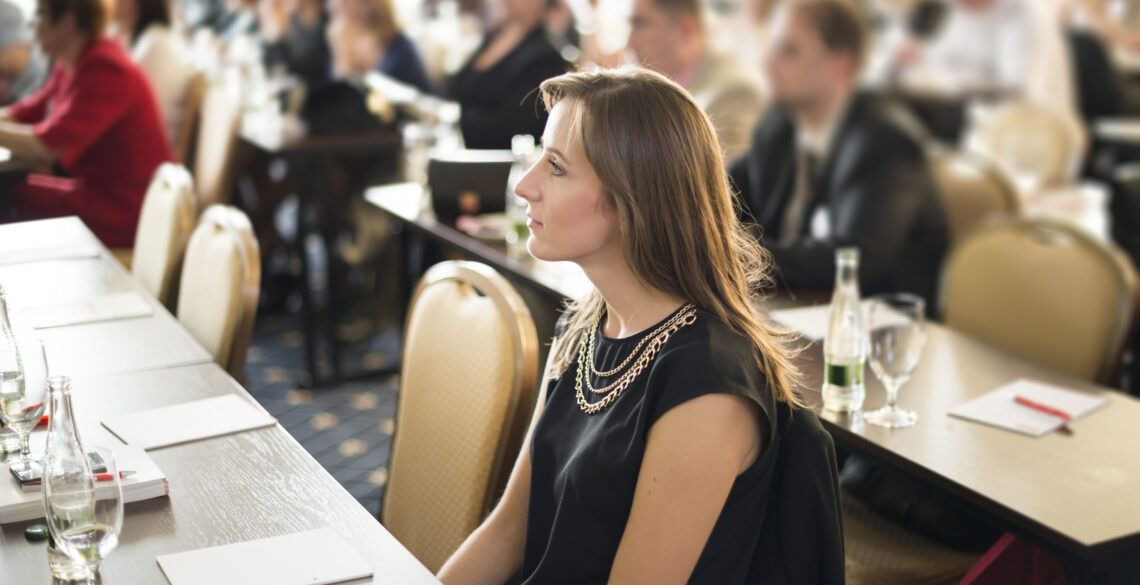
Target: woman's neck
[632,305]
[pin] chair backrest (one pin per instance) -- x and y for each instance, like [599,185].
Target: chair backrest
[972,191]
[165,223]
[218,128]
[1043,290]
[467,386]
[801,538]
[221,279]
[1024,139]
[191,112]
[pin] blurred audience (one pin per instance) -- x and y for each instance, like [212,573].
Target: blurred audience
[293,38]
[496,88]
[670,37]
[1004,49]
[21,64]
[831,166]
[145,26]
[96,116]
[238,19]
[364,36]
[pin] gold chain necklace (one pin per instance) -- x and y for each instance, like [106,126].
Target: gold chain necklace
[606,374]
[686,316]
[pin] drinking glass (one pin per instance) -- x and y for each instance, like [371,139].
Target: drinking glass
[23,398]
[896,324]
[84,505]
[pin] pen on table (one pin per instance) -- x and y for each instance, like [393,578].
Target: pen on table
[1042,407]
[97,477]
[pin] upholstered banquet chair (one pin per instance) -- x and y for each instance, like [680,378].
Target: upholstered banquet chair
[1045,291]
[221,278]
[1029,141]
[191,112]
[973,191]
[467,388]
[218,127]
[165,223]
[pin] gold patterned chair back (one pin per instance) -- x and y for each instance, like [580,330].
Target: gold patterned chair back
[165,223]
[467,388]
[972,190]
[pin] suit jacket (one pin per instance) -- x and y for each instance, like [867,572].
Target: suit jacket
[875,190]
[730,96]
[502,101]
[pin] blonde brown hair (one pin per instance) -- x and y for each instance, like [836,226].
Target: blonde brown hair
[660,166]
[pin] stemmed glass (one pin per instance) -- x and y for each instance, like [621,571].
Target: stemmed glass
[23,398]
[85,507]
[896,324]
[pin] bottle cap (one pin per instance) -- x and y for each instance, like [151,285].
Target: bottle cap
[36,532]
[850,254]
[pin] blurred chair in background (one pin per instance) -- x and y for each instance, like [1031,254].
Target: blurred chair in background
[467,388]
[1031,143]
[973,191]
[217,142]
[221,278]
[167,218]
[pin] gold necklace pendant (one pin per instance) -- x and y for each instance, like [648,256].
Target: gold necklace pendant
[686,316]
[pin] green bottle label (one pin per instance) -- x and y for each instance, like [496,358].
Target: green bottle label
[844,376]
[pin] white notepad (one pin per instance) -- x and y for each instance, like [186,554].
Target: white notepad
[810,322]
[148,481]
[189,421]
[112,307]
[317,557]
[62,252]
[999,409]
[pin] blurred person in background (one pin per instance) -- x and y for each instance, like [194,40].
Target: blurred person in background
[145,27]
[831,166]
[670,37]
[364,36]
[21,64]
[293,38]
[238,19]
[496,87]
[96,116]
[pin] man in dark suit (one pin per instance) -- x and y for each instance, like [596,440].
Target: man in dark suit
[831,166]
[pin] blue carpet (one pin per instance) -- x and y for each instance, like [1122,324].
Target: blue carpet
[346,427]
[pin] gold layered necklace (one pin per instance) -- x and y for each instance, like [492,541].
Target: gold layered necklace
[645,351]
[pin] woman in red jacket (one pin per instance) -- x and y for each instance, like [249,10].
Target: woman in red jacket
[97,116]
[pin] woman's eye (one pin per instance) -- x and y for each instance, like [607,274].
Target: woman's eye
[557,170]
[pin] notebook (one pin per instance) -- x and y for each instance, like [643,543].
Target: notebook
[1000,409]
[189,421]
[316,557]
[112,307]
[148,481]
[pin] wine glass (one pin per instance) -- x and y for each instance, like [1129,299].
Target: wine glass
[897,337]
[84,502]
[23,398]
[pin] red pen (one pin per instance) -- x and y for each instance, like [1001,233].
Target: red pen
[107,476]
[1045,408]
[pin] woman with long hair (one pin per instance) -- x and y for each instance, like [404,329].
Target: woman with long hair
[364,36]
[653,445]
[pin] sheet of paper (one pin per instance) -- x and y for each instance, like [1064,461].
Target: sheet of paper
[317,557]
[999,409]
[811,322]
[189,421]
[112,307]
[63,252]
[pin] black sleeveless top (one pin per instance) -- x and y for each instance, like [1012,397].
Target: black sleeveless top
[584,468]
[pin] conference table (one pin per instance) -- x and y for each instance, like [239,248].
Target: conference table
[1076,495]
[229,489]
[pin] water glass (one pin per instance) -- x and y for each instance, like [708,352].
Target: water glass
[23,398]
[897,337]
[84,503]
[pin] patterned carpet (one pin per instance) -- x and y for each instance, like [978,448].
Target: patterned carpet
[347,427]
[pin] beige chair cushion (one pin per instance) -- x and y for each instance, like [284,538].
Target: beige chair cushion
[184,142]
[217,141]
[879,551]
[1043,291]
[972,191]
[460,389]
[1020,136]
[165,223]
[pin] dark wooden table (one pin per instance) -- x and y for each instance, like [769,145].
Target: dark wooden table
[223,490]
[311,159]
[1075,495]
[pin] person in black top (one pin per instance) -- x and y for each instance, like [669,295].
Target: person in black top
[496,88]
[651,455]
[831,167]
[293,37]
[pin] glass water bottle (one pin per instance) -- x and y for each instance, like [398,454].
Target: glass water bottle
[845,347]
